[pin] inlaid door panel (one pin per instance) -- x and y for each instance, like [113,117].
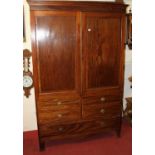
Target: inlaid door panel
[101,51]
[58,56]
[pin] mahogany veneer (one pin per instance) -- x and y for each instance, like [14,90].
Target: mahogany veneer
[78,66]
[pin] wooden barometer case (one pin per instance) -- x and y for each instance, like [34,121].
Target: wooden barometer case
[27,74]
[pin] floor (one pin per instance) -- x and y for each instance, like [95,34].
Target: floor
[107,144]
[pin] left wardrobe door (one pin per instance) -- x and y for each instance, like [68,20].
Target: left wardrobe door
[56,53]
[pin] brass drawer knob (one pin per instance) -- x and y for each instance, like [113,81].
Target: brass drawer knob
[102,99]
[60,129]
[102,110]
[59,115]
[89,29]
[59,103]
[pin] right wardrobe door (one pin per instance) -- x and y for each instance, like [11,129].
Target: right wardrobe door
[102,52]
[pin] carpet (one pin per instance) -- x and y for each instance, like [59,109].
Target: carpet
[106,144]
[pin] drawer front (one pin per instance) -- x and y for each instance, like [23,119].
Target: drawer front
[74,130]
[57,113]
[58,102]
[102,99]
[106,110]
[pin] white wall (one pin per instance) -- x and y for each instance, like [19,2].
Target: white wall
[128,64]
[29,111]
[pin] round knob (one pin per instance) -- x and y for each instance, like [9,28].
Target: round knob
[102,110]
[59,115]
[59,103]
[102,99]
[60,129]
[89,30]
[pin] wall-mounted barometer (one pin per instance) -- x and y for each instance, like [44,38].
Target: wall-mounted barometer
[27,74]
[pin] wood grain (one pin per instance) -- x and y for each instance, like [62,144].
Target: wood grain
[104,110]
[102,99]
[102,40]
[56,37]
[77,6]
[74,130]
[59,113]
[78,59]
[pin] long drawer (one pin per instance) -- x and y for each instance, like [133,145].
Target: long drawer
[59,112]
[96,109]
[75,129]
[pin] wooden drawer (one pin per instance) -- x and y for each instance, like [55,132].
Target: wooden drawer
[78,129]
[57,113]
[102,99]
[58,102]
[58,97]
[106,110]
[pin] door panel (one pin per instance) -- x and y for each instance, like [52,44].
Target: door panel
[101,51]
[57,51]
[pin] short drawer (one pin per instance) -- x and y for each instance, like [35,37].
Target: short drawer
[59,113]
[57,102]
[107,110]
[58,96]
[77,129]
[102,99]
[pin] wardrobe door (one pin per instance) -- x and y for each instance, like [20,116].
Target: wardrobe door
[102,54]
[56,55]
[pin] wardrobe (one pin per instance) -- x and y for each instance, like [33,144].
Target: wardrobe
[78,67]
